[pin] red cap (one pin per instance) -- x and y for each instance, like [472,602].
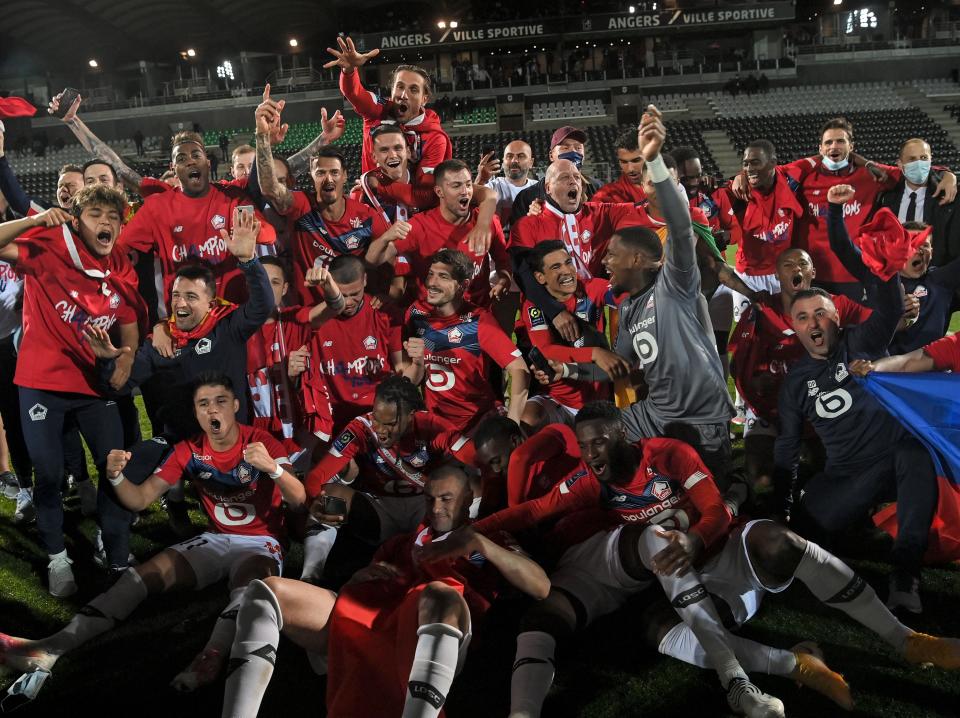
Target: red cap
[566,131]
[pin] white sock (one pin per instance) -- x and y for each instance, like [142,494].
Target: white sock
[693,604]
[835,583]
[533,671]
[681,643]
[316,550]
[433,669]
[254,651]
[221,638]
[100,615]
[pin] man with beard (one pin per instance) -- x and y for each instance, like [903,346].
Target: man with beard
[353,351]
[448,226]
[75,278]
[566,143]
[329,224]
[400,629]
[451,343]
[648,513]
[661,321]
[409,93]
[242,475]
[517,162]
[870,456]
[186,227]
[764,345]
[629,188]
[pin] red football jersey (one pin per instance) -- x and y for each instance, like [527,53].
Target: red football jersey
[319,241]
[587,304]
[181,229]
[430,232]
[671,488]
[621,190]
[400,470]
[354,354]
[811,230]
[945,353]
[456,353]
[585,233]
[66,287]
[429,145]
[238,498]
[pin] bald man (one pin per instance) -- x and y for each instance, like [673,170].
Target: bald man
[516,164]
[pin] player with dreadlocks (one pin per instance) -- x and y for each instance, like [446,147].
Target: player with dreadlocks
[375,470]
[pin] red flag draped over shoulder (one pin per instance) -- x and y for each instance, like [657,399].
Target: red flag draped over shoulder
[16,107]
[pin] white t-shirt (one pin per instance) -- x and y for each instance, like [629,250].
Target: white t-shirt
[10,285]
[506,193]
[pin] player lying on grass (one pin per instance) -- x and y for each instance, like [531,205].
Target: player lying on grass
[241,475]
[399,630]
[650,511]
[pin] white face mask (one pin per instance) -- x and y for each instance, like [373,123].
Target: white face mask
[834,166]
[917,171]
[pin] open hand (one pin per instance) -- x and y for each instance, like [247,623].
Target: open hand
[346,57]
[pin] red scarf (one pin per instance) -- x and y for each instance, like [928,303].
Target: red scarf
[770,217]
[218,311]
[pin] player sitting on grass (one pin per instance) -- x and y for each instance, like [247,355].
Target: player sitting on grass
[241,475]
[662,519]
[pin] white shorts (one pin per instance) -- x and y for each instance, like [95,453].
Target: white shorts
[397,514]
[755,426]
[553,411]
[214,557]
[730,576]
[591,571]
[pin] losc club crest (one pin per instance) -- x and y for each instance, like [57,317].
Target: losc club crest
[203,346]
[218,221]
[841,372]
[455,336]
[244,474]
[370,343]
[114,300]
[38,412]
[660,490]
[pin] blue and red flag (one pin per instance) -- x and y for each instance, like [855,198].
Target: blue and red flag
[928,405]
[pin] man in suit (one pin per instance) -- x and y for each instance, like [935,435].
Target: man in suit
[913,200]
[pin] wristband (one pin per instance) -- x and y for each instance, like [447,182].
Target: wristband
[658,169]
[277,473]
[117,480]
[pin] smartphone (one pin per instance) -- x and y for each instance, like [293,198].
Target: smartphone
[242,209]
[67,98]
[540,361]
[334,506]
[488,149]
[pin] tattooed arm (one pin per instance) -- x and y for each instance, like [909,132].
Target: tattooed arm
[267,117]
[95,146]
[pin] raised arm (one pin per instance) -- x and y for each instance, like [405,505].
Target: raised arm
[9,231]
[136,497]
[840,243]
[267,120]
[348,60]
[332,128]
[94,145]
[9,185]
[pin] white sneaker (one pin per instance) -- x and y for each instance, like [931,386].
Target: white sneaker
[25,512]
[9,485]
[100,553]
[88,497]
[746,699]
[62,582]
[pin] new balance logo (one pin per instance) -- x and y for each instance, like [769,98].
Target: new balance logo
[426,693]
[849,592]
[38,412]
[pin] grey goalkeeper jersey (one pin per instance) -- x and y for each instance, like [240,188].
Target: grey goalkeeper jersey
[663,329]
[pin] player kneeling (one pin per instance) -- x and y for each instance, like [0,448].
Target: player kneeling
[241,486]
[399,630]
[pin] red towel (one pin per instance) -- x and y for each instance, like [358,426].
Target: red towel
[16,107]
